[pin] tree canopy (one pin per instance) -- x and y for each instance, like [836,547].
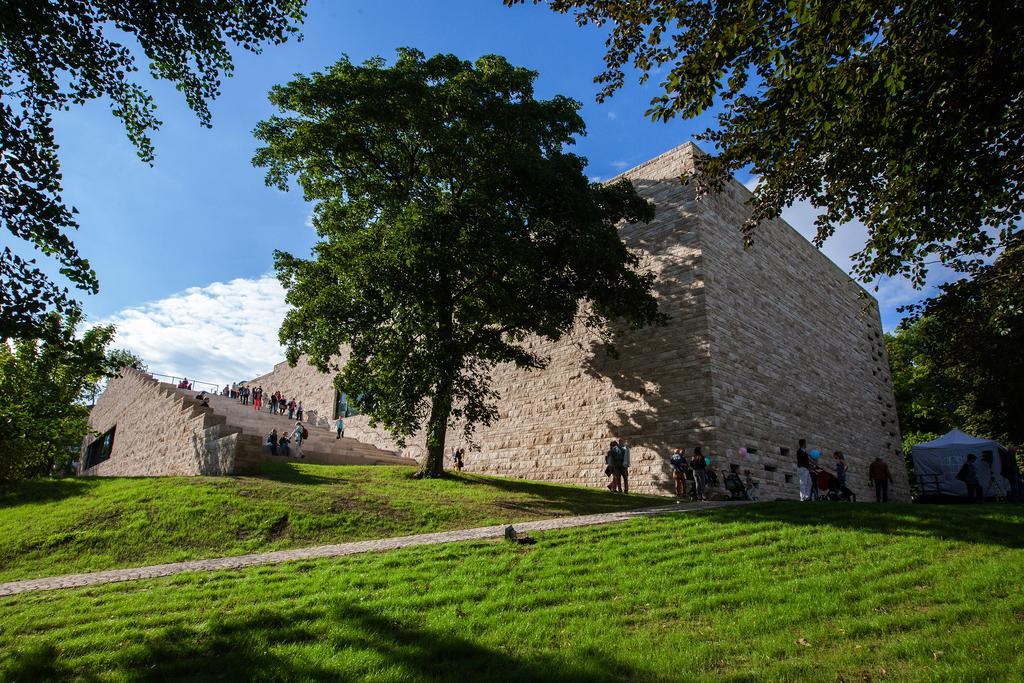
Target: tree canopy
[44,386]
[957,360]
[455,223]
[908,117]
[59,53]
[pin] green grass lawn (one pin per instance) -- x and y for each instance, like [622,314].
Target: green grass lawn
[61,526]
[776,591]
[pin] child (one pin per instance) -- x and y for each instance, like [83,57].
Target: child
[340,427]
[750,484]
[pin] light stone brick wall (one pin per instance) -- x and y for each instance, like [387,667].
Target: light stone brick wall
[763,347]
[796,351]
[158,433]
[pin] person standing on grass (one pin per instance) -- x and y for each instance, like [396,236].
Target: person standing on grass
[625,465]
[699,468]
[458,459]
[613,466]
[968,474]
[750,485]
[340,426]
[803,470]
[880,476]
[679,467]
[841,468]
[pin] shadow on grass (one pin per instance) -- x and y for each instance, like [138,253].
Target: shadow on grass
[287,471]
[44,490]
[340,641]
[566,498]
[996,524]
[551,497]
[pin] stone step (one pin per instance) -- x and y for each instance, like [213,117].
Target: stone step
[250,428]
[251,452]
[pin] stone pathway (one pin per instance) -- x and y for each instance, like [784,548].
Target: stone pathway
[339,550]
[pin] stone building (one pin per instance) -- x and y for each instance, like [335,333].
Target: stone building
[148,428]
[764,346]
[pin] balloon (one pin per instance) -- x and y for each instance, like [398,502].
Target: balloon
[743,451]
[707,459]
[815,454]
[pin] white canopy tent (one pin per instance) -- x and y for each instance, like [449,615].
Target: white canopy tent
[937,462]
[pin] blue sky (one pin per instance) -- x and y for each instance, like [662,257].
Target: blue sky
[183,249]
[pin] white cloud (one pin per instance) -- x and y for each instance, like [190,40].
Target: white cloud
[620,164]
[223,332]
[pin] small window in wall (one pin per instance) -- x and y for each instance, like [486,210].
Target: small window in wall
[99,450]
[343,406]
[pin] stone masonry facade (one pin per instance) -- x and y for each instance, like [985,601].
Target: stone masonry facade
[764,346]
[158,432]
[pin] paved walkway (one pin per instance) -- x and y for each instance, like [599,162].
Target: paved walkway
[339,550]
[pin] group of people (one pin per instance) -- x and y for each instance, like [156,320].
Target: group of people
[276,404]
[817,482]
[458,459]
[282,444]
[696,474]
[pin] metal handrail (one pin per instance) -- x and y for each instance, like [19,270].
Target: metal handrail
[192,383]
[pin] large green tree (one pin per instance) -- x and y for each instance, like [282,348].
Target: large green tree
[957,358]
[44,387]
[907,116]
[454,224]
[58,53]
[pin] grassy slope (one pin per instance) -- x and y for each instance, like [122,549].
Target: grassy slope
[774,591]
[61,526]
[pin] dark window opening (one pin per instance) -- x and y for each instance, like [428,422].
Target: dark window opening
[789,478]
[99,450]
[344,406]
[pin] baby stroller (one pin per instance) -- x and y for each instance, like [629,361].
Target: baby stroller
[734,485]
[829,488]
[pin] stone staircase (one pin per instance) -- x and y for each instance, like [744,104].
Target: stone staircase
[251,427]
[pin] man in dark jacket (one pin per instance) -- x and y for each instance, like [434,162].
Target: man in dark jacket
[968,474]
[880,476]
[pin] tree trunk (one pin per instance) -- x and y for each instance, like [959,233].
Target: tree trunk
[437,431]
